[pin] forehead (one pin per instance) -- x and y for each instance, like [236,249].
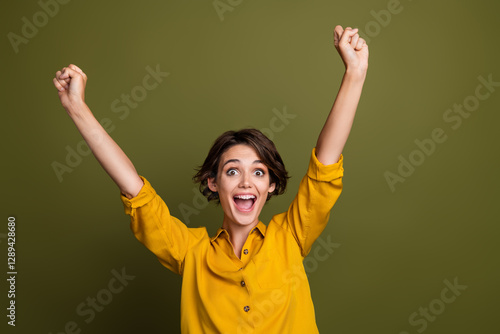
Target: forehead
[241,152]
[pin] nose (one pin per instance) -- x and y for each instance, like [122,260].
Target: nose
[245,181]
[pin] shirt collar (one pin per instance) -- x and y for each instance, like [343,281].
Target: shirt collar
[259,227]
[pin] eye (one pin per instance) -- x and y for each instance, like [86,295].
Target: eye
[259,172]
[232,172]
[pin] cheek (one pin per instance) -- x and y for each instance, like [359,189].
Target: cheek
[264,187]
[224,195]
[226,185]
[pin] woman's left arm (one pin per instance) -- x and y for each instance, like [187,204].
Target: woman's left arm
[354,53]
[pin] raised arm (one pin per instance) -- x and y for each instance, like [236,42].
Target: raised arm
[70,83]
[354,53]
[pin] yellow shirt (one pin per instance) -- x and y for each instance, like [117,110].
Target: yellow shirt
[266,291]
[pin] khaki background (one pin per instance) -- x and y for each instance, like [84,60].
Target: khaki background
[393,250]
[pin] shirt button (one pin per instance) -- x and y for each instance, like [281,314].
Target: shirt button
[245,251]
[240,269]
[246,308]
[242,283]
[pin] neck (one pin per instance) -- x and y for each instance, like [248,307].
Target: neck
[238,234]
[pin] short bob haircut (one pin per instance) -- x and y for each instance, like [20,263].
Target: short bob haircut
[262,145]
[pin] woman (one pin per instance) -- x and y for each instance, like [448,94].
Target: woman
[249,277]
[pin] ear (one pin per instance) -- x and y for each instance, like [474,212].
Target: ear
[211,184]
[272,187]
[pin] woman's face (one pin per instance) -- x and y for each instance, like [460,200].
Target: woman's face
[243,185]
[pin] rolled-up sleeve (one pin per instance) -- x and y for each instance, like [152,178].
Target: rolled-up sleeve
[153,225]
[318,192]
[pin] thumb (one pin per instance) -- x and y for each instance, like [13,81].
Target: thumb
[337,35]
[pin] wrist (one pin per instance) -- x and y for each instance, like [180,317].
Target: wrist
[76,108]
[355,74]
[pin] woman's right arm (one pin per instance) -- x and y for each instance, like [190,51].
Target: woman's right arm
[70,83]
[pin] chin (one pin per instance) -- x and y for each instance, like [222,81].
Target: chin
[245,221]
[244,218]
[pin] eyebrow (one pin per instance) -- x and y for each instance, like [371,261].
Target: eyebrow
[236,160]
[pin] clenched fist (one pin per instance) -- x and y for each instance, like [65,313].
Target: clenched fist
[352,49]
[70,83]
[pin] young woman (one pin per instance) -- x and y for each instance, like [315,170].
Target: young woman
[249,277]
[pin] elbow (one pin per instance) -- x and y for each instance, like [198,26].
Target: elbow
[128,195]
[132,190]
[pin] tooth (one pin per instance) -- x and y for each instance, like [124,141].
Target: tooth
[245,196]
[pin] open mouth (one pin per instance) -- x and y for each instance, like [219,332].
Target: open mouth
[244,203]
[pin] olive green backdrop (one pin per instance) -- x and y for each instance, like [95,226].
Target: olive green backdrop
[388,254]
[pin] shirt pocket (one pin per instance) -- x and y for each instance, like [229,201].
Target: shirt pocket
[270,269]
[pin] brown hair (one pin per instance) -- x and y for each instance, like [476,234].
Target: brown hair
[262,145]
